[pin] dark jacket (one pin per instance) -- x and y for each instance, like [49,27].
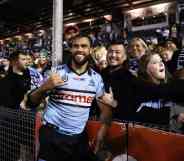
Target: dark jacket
[12,89]
[130,92]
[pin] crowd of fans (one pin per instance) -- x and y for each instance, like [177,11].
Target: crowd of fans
[103,57]
[119,62]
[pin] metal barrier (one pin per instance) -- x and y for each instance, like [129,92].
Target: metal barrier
[144,144]
[17,135]
[19,138]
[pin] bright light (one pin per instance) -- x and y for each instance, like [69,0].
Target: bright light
[108,17]
[136,13]
[88,20]
[70,14]
[161,7]
[71,24]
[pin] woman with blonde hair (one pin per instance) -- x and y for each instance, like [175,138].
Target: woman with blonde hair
[137,49]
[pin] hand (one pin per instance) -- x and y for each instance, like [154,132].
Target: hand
[53,81]
[180,118]
[108,98]
[23,103]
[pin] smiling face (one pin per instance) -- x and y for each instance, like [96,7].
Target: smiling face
[80,50]
[156,69]
[116,55]
[137,48]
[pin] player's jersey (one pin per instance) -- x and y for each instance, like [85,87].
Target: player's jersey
[69,105]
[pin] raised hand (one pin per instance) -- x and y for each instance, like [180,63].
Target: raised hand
[53,81]
[108,99]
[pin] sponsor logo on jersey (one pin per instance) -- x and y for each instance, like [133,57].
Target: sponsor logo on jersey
[74,98]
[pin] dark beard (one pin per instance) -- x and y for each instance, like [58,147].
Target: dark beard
[84,61]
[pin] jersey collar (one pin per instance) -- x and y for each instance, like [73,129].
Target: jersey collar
[70,69]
